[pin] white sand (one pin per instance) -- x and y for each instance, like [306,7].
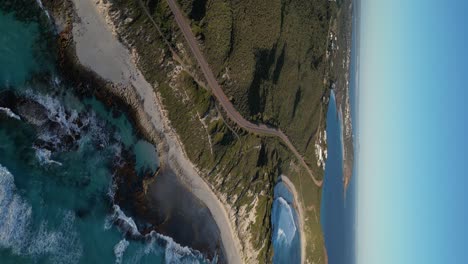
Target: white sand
[299,210]
[98,49]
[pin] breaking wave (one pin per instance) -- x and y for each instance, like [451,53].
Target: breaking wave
[175,253]
[285,222]
[61,128]
[119,249]
[44,157]
[69,128]
[9,113]
[125,223]
[68,121]
[43,9]
[19,235]
[155,243]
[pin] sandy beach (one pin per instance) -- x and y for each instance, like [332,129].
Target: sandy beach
[98,49]
[299,210]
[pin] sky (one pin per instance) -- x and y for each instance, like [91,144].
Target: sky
[412,197]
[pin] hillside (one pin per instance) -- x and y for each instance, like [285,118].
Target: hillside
[270,57]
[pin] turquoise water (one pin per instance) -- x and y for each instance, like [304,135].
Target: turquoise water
[57,155]
[16,40]
[145,153]
[286,238]
[146,156]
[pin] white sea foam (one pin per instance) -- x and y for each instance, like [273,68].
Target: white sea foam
[9,113]
[15,214]
[172,252]
[156,243]
[286,223]
[112,189]
[175,253]
[43,9]
[126,224]
[280,235]
[56,112]
[61,244]
[117,150]
[70,122]
[44,157]
[119,249]
[18,234]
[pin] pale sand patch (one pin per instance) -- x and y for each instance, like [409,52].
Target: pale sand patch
[300,212]
[98,49]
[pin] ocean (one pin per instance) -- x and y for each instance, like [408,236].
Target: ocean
[58,155]
[338,210]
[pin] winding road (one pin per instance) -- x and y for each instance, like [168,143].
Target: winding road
[232,113]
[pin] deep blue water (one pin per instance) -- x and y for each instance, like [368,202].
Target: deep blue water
[57,155]
[285,237]
[338,210]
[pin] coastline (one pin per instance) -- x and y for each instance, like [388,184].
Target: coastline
[98,49]
[300,213]
[340,62]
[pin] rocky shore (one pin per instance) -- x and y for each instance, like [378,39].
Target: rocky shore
[86,39]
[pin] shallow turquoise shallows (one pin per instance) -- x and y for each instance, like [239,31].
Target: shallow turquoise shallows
[285,237]
[56,191]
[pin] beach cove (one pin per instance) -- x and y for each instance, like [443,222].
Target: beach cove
[64,170]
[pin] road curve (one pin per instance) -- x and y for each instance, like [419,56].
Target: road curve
[217,91]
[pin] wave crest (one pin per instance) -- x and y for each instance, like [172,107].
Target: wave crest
[9,113]
[155,243]
[285,224]
[18,233]
[119,249]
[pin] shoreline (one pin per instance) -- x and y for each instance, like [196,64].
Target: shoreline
[97,49]
[345,105]
[340,63]
[300,213]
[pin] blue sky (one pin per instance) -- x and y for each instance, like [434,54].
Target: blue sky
[412,195]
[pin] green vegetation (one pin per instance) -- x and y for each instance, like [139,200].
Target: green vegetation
[275,60]
[270,58]
[215,25]
[241,167]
